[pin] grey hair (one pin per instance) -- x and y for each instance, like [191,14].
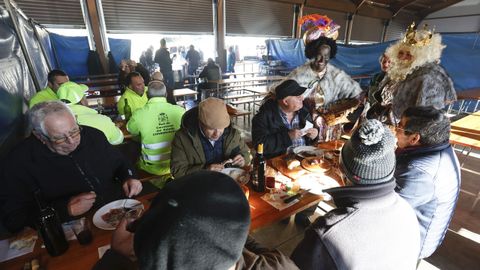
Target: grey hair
[156,89]
[38,113]
[432,124]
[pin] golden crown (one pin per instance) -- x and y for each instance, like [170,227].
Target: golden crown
[415,37]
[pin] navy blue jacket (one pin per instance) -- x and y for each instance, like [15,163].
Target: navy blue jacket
[268,128]
[429,179]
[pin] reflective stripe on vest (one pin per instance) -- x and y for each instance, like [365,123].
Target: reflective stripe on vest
[156,158]
[155,146]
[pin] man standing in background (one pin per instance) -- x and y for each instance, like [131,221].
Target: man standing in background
[162,57]
[193,59]
[231,59]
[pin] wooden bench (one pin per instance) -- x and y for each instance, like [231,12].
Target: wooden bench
[241,113]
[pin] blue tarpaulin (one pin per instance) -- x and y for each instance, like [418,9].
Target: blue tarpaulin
[120,48]
[461,57]
[72,52]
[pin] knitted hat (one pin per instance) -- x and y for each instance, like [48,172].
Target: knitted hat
[198,221]
[369,156]
[212,112]
[71,92]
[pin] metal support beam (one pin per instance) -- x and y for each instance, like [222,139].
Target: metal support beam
[439,5]
[99,34]
[13,15]
[297,14]
[384,31]
[218,7]
[348,31]
[37,35]
[88,25]
[398,6]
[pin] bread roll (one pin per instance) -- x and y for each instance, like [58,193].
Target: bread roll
[292,164]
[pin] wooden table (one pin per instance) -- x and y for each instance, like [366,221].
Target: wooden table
[122,125]
[466,132]
[467,125]
[84,257]
[99,82]
[77,256]
[184,92]
[473,93]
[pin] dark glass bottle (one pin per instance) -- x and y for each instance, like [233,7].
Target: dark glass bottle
[258,170]
[127,110]
[50,228]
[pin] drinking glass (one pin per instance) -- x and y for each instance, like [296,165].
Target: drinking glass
[81,229]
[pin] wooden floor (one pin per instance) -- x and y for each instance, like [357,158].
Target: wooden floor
[461,247]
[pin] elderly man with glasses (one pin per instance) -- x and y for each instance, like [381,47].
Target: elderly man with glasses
[73,167]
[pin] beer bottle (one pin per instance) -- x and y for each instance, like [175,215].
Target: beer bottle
[50,228]
[258,171]
[127,110]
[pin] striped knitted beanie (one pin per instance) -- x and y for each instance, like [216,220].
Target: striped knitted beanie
[368,158]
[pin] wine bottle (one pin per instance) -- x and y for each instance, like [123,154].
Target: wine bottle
[258,171]
[127,110]
[50,228]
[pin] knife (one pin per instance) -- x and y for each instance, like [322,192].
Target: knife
[296,196]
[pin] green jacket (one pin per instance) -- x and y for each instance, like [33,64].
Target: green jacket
[156,123]
[134,100]
[187,150]
[46,94]
[90,117]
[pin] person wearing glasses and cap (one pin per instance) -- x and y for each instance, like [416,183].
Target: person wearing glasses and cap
[74,168]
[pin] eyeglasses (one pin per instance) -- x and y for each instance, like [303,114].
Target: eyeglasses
[72,135]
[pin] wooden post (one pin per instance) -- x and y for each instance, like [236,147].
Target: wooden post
[219,33]
[99,34]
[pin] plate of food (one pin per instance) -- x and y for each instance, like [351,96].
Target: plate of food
[239,175]
[109,216]
[316,183]
[307,151]
[316,164]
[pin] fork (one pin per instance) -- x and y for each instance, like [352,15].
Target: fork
[124,203]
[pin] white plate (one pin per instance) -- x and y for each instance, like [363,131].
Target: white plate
[97,218]
[239,175]
[316,183]
[312,150]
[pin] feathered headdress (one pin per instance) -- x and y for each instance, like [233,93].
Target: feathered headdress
[315,26]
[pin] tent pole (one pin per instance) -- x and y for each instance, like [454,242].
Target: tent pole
[21,39]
